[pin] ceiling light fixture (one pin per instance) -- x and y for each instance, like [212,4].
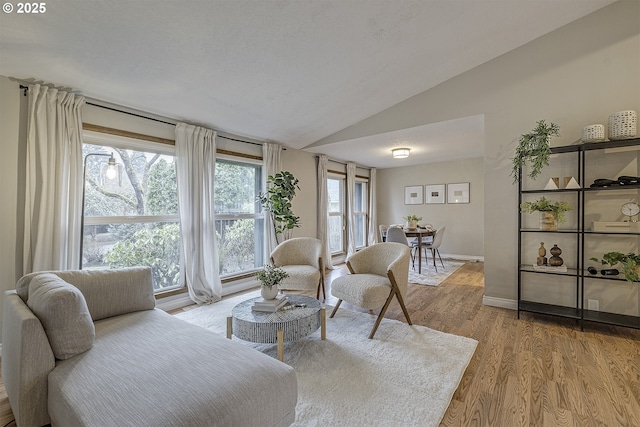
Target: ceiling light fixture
[400,153]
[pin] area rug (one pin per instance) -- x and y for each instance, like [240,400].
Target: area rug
[430,276]
[405,376]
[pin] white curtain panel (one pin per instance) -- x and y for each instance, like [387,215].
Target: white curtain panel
[272,165]
[323,210]
[53,195]
[373,214]
[351,188]
[195,169]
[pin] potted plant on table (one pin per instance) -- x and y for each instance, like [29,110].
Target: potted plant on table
[270,277]
[533,147]
[630,264]
[551,213]
[412,221]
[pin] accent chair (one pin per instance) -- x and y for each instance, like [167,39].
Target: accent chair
[301,258]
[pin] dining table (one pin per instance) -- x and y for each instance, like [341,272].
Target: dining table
[419,233]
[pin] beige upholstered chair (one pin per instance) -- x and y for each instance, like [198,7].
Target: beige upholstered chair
[383,231]
[378,273]
[301,258]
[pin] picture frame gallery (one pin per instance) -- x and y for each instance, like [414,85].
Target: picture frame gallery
[433,194]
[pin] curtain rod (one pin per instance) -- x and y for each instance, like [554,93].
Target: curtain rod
[345,163]
[26,89]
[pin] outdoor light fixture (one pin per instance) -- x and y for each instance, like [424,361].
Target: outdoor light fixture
[400,153]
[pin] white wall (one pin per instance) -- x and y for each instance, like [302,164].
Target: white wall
[464,236]
[574,76]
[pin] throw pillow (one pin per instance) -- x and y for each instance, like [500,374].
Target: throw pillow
[63,312]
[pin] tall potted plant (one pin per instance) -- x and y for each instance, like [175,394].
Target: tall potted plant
[281,189]
[533,147]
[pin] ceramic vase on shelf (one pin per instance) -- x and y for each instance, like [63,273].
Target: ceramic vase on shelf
[548,221]
[268,292]
[555,260]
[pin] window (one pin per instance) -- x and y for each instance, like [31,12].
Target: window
[335,188]
[360,213]
[132,219]
[239,221]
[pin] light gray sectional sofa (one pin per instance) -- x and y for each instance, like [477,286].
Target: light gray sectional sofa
[89,348]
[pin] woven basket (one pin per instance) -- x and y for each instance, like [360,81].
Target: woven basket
[623,125]
[593,133]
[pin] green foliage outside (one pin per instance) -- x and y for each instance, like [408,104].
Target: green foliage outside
[157,246]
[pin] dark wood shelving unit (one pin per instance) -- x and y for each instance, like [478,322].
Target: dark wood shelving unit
[579,272]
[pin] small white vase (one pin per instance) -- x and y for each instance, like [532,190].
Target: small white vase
[269,292]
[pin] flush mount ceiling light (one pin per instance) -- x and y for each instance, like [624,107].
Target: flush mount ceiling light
[400,153]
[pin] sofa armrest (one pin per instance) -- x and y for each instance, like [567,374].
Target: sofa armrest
[27,360]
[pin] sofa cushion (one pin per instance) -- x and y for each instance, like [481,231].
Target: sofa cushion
[64,315]
[150,369]
[107,292]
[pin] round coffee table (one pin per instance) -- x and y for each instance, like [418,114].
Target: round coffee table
[280,326]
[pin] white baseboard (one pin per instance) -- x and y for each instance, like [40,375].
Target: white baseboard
[173,302]
[464,257]
[510,304]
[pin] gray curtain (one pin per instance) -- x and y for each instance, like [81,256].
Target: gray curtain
[373,214]
[272,165]
[323,210]
[351,188]
[195,170]
[53,193]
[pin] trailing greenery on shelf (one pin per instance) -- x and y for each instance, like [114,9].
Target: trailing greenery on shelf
[281,189]
[271,276]
[628,261]
[533,147]
[543,205]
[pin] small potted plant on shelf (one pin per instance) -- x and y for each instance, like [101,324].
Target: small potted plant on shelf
[551,213]
[270,277]
[630,264]
[412,221]
[533,147]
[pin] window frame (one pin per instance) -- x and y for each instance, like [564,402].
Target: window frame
[365,213]
[128,143]
[341,213]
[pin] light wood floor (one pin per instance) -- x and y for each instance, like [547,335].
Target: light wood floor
[536,371]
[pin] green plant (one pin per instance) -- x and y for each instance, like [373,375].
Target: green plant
[533,147]
[271,276]
[543,205]
[628,261]
[412,218]
[277,201]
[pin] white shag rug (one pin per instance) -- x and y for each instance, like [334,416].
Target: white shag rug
[430,276]
[405,376]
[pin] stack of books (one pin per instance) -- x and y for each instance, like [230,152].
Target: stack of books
[269,305]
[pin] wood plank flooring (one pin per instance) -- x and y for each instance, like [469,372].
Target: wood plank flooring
[536,371]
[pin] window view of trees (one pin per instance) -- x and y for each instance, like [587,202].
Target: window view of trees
[133,219]
[239,221]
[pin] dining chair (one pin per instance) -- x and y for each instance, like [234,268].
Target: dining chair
[435,245]
[383,230]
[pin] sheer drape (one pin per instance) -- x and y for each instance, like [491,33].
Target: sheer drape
[53,194]
[323,210]
[272,165]
[195,169]
[373,214]
[351,229]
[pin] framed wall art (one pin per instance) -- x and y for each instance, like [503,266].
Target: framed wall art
[434,193]
[458,193]
[413,195]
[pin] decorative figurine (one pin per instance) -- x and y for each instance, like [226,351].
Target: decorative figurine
[542,259]
[555,259]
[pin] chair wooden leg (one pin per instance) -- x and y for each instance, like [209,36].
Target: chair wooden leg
[404,309]
[381,315]
[335,308]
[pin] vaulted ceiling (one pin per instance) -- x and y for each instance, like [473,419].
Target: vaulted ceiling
[293,72]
